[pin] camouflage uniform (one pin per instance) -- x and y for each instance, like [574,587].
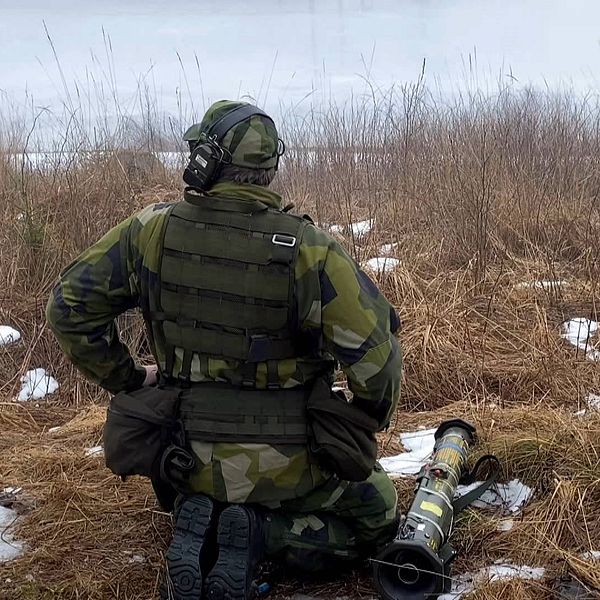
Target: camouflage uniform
[314,513]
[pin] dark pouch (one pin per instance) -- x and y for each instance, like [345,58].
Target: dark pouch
[341,436]
[140,425]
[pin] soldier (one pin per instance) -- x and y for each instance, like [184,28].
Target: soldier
[249,311]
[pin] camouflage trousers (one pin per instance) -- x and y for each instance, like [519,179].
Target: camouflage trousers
[338,522]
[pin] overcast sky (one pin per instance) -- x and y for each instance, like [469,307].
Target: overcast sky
[279,50]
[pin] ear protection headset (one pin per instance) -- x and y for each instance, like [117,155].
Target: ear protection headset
[208,155]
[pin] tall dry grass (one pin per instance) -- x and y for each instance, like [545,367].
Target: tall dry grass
[481,194]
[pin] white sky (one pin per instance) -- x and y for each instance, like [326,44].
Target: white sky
[301,45]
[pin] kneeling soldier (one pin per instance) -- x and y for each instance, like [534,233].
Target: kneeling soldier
[249,310]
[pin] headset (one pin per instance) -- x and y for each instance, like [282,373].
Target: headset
[208,156]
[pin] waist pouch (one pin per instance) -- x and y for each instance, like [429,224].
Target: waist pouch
[222,413]
[139,426]
[341,436]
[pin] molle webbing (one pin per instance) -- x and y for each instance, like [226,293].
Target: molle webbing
[221,413]
[227,281]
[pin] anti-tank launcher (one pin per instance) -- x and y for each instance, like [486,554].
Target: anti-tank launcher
[416,565]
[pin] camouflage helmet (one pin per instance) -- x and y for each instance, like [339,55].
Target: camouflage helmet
[253,143]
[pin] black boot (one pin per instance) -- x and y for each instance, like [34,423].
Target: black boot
[240,540]
[190,551]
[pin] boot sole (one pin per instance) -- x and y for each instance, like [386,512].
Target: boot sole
[184,574]
[228,578]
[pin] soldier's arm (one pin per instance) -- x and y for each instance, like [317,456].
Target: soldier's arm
[357,322]
[83,306]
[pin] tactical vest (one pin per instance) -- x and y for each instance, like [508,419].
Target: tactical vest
[226,290]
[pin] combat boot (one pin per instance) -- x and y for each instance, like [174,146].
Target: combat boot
[240,541]
[192,549]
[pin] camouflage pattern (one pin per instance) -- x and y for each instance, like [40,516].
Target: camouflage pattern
[252,144]
[337,303]
[337,523]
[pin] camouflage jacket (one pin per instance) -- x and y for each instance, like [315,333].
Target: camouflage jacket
[334,298]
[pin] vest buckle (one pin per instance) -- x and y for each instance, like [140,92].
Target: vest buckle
[281,239]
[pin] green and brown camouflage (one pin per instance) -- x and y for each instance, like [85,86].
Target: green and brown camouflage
[337,304]
[253,144]
[338,522]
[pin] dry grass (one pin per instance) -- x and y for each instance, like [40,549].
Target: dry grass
[480,196]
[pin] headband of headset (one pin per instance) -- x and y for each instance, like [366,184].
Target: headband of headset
[219,128]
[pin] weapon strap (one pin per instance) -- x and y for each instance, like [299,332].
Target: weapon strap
[461,503]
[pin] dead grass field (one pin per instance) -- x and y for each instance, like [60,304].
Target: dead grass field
[482,197]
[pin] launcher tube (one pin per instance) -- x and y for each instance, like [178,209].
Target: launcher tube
[415,566]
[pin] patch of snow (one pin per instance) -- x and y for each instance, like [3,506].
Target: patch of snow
[419,445]
[541,285]
[510,497]
[36,385]
[578,332]
[505,525]
[593,401]
[8,335]
[9,547]
[381,264]
[467,582]
[134,558]
[591,555]
[361,227]
[11,491]
[358,229]
[499,571]
[95,451]
[388,249]
[593,404]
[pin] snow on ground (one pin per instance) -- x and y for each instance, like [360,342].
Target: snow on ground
[9,547]
[578,332]
[591,555]
[419,445]
[593,404]
[510,497]
[47,161]
[499,571]
[388,249]
[361,227]
[541,285]
[94,451]
[133,557]
[593,401]
[8,335]
[505,525]
[381,264]
[36,384]
[358,229]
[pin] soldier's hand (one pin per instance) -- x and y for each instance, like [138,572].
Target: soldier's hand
[151,375]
